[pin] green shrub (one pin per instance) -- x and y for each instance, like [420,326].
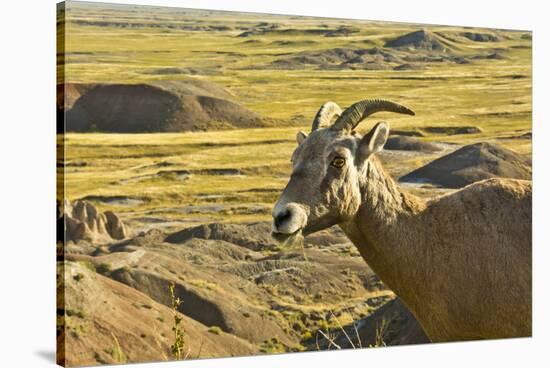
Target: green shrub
[74,313]
[103,268]
[179,333]
[116,351]
[272,346]
[215,330]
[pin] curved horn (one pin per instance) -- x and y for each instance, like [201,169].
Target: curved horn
[325,115]
[357,112]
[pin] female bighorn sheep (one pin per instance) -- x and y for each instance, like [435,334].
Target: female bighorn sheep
[461,262]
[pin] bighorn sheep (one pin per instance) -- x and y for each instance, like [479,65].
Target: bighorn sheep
[460,262]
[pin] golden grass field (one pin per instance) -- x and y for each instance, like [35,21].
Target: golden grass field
[492,94]
[245,299]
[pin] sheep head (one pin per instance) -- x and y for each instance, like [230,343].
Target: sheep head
[323,189]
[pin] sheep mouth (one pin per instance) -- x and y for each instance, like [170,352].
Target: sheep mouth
[287,239]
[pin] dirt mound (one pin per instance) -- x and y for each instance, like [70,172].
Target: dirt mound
[489,56]
[68,93]
[482,37]
[107,322]
[271,301]
[403,143]
[241,291]
[409,66]
[422,39]
[254,236]
[408,133]
[470,164]
[115,200]
[204,301]
[452,130]
[157,107]
[187,71]
[337,59]
[342,31]
[247,34]
[293,43]
[66,96]
[83,221]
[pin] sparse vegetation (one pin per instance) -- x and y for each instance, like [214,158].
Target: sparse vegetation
[103,268]
[74,313]
[215,330]
[172,181]
[133,168]
[273,346]
[116,351]
[179,332]
[381,331]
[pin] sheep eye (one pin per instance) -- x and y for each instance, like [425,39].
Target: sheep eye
[338,162]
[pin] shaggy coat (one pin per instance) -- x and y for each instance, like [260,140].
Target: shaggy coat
[461,262]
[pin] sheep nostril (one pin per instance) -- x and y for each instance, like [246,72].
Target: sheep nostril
[282,217]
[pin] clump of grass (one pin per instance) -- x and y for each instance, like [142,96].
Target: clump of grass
[74,313]
[179,332]
[78,277]
[116,351]
[103,268]
[381,330]
[272,346]
[215,330]
[89,265]
[306,335]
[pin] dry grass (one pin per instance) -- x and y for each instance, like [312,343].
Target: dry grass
[494,95]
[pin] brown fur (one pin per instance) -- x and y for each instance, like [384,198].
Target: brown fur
[461,262]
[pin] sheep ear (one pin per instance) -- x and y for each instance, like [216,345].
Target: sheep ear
[300,137]
[374,141]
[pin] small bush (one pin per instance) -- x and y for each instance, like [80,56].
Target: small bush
[89,265]
[74,313]
[215,330]
[116,351]
[78,277]
[103,268]
[306,335]
[179,341]
[272,346]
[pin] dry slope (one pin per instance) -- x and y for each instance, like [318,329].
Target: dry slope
[164,106]
[472,163]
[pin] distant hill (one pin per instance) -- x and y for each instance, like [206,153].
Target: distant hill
[472,163]
[167,106]
[422,39]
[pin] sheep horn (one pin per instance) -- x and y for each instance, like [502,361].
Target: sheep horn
[325,115]
[357,112]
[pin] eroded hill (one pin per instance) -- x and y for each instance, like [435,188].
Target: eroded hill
[166,106]
[241,294]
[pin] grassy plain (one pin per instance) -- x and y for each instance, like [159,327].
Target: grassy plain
[492,94]
[239,300]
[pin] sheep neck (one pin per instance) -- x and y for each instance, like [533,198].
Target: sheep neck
[383,231]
